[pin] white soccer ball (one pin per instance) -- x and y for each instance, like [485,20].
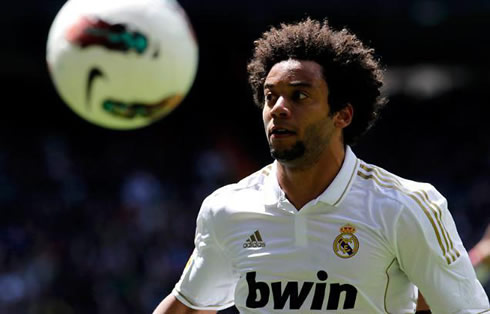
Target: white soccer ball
[122,64]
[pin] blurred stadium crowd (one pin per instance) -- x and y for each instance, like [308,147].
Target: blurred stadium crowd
[98,221]
[77,237]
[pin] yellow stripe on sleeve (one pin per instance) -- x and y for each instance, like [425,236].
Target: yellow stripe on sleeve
[428,207]
[437,213]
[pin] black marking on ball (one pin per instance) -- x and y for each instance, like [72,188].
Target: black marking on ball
[93,74]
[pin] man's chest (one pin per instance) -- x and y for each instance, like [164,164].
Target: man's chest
[288,244]
[305,261]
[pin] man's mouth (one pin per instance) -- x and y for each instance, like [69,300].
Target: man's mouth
[281,132]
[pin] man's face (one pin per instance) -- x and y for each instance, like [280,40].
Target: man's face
[296,112]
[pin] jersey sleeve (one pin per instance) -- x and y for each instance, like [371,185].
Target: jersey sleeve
[207,282]
[431,254]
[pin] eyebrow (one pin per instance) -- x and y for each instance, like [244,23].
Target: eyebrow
[293,83]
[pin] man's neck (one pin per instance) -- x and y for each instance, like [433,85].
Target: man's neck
[302,185]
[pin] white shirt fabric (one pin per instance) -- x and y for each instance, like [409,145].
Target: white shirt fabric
[362,246]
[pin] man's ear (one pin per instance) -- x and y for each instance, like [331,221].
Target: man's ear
[343,117]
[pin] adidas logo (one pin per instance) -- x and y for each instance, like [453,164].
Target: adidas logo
[255,240]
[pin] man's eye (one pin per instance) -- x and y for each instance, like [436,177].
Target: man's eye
[268,97]
[299,95]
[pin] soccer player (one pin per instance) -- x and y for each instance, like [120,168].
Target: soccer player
[480,253]
[320,230]
[480,257]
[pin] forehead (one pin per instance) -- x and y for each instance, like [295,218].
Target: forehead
[291,71]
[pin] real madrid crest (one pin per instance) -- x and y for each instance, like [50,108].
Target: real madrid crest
[346,243]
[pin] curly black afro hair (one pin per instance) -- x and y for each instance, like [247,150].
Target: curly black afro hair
[352,73]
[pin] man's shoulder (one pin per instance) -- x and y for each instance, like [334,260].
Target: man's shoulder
[389,186]
[252,182]
[243,191]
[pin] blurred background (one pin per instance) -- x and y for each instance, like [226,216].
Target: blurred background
[101,221]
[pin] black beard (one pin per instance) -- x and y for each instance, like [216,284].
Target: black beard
[296,152]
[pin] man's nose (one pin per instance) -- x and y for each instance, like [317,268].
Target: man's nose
[281,108]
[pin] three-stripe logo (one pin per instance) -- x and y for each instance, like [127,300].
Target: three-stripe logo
[254,241]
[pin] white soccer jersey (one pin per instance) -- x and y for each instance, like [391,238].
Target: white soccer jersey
[360,247]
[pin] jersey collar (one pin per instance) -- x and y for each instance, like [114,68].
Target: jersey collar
[333,195]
